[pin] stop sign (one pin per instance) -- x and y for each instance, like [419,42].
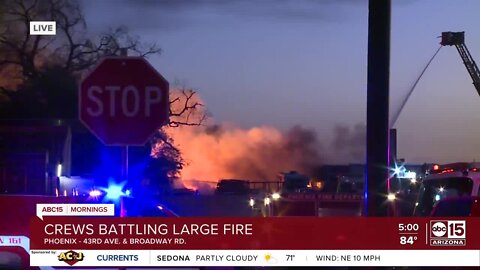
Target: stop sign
[124,100]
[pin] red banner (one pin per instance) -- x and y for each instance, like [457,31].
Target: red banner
[254,233]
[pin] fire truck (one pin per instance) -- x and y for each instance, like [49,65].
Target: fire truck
[447,182]
[298,195]
[457,39]
[316,203]
[457,207]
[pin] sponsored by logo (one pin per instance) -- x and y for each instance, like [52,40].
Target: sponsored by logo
[71,257]
[448,232]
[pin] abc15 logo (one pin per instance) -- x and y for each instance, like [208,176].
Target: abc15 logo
[452,229]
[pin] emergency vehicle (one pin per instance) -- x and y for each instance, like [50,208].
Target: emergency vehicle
[457,207]
[299,195]
[449,181]
[309,203]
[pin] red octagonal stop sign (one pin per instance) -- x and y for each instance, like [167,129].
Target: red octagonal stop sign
[124,100]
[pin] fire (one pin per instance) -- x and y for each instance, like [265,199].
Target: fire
[213,152]
[256,154]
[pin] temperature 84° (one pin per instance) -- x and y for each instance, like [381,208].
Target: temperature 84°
[408,240]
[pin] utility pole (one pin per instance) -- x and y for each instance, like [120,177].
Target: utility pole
[377,173]
[124,53]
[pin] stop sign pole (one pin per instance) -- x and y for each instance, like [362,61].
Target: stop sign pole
[123,101]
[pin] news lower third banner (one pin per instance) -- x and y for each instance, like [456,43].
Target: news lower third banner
[279,241]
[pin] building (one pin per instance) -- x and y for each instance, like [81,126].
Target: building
[35,153]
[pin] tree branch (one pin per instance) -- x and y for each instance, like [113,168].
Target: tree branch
[174,123]
[164,140]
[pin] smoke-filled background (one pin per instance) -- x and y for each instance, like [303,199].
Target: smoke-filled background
[288,62]
[215,151]
[259,153]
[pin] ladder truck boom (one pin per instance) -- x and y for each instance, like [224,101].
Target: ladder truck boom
[457,39]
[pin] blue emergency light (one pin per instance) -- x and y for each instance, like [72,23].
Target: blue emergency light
[95,193]
[115,191]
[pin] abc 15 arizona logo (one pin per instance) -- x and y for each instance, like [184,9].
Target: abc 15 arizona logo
[448,232]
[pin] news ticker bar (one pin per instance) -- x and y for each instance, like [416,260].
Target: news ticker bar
[101,233]
[258,258]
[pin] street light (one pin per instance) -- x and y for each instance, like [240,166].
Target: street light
[59,170]
[267,201]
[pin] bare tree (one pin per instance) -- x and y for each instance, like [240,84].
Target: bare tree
[39,75]
[186,109]
[70,49]
[23,57]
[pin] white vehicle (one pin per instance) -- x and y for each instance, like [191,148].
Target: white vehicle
[447,181]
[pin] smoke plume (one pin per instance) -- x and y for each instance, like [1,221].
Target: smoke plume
[256,154]
[213,152]
[349,144]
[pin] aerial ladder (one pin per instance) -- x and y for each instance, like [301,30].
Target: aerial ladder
[457,39]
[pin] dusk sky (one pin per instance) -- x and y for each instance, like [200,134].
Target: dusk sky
[283,63]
